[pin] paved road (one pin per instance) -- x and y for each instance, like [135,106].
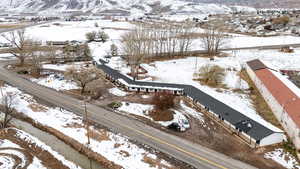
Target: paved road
[195,52]
[191,153]
[25,26]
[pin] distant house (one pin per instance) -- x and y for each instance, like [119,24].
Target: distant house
[113,12]
[281,95]
[57,43]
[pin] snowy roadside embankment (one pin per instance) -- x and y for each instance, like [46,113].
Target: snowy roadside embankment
[10,152]
[283,158]
[56,82]
[113,147]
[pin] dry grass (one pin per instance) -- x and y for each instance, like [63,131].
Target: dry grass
[281,20]
[117,145]
[124,153]
[156,163]
[159,115]
[74,125]
[99,135]
[259,103]
[7,26]
[37,107]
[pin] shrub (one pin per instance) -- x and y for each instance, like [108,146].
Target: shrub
[163,101]
[114,50]
[115,105]
[281,20]
[161,115]
[91,36]
[102,36]
[290,147]
[211,75]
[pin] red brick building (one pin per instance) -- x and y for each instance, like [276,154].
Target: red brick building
[282,96]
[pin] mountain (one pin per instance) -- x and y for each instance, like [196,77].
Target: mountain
[256,3]
[132,6]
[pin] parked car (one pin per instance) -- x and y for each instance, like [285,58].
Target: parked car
[184,123]
[174,126]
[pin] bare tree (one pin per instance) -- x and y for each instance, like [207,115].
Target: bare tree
[7,103]
[19,41]
[51,54]
[91,36]
[35,57]
[156,40]
[133,46]
[85,51]
[114,50]
[83,75]
[213,39]
[36,63]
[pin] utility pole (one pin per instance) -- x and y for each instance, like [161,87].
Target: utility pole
[86,122]
[87,127]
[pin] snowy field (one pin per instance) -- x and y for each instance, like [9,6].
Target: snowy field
[283,158]
[9,149]
[113,147]
[163,71]
[77,30]
[275,58]
[63,31]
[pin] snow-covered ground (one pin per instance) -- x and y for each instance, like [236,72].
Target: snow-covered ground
[9,148]
[279,60]
[64,67]
[6,56]
[117,92]
[56,81]
[143,110]
[76,30]
[114,147]
[163,71]
[283,158]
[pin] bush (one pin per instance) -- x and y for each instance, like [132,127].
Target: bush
[281,20]
[102,36]
[211,75]
[114,50]
[91,36]
[290,147]
[163,101]
[115,105]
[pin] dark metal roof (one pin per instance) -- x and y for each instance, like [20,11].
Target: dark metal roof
[256,65]
[239,120]
[257,130]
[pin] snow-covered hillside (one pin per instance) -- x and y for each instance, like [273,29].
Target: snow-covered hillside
[132,6]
